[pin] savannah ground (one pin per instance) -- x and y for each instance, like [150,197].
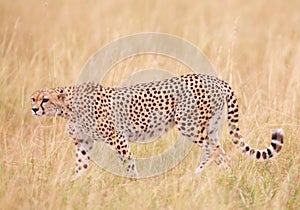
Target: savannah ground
[255,46]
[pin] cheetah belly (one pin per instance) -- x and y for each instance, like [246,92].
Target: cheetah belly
[136,130]
[137,124]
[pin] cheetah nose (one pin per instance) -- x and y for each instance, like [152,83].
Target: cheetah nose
[35,110]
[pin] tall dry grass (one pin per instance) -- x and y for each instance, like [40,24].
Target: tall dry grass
[254,45]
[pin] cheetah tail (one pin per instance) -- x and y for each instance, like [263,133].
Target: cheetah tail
[234,131]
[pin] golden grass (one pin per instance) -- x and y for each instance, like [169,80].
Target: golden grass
[254,45]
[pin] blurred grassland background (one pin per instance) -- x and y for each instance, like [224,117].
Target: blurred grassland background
[254,45]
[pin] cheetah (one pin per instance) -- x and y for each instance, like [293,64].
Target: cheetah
[192,103]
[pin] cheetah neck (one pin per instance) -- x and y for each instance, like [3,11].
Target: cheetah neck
[65,106]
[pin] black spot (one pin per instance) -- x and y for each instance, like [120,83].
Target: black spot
[83,152]
[278,148]
[247,148]
[269,152]
[274,145]
[258,154]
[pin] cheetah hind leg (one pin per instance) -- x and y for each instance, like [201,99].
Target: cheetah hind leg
[212,144]
[221,159]
[209,132]
[208,151]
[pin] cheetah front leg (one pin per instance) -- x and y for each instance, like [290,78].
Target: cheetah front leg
[83,156]
[83,148]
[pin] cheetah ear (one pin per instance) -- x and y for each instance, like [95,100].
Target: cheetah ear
[59,90]
[60,93]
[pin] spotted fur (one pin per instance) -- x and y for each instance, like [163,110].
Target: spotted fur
[192,103]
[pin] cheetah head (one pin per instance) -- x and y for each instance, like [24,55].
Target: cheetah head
[47,102]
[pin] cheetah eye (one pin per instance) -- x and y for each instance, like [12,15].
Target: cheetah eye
[45,100]
[33,99]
